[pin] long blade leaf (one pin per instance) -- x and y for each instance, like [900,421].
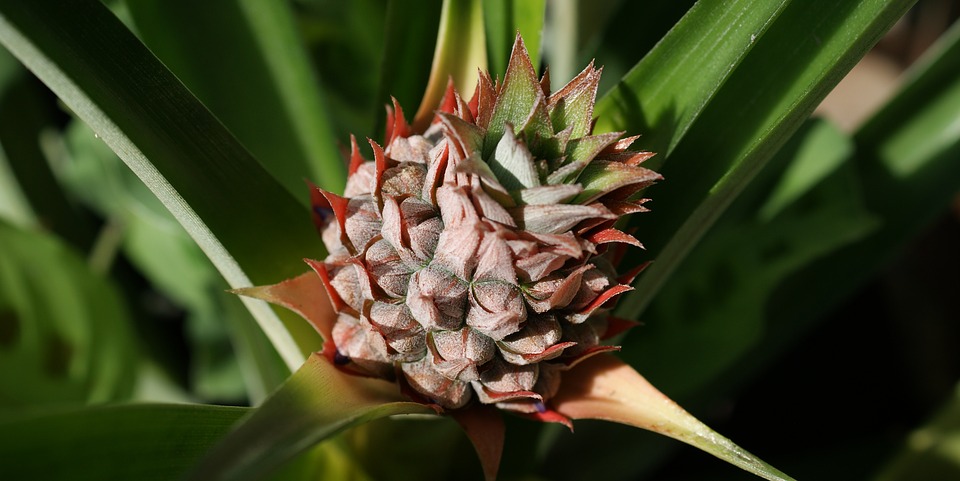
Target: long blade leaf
[145,442]
[316,403]
[264,90]
[502,20]
[665,93]
[775,88]
[460,52]
[407,50]
[906,161]
[239,215]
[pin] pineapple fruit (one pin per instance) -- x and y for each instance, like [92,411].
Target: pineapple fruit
[476,261]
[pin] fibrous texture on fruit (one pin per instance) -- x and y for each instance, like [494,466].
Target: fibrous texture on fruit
[474,261]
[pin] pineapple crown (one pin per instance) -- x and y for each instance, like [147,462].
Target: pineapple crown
[475,261]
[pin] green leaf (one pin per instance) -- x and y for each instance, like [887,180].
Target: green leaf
[513,164]
[825,228]
[26,112]
[264,91]
[601,177]
[503,19]
[932,452]
[904,192]
[64,332]
[316,403]
[432,454]
[14,207]
[757,109]
[111,443]
[911,134]
[520,98]
[816,151]
[804,206]
[667,91]
[606,30]
[460,52]
[153,241]
[14,200]
[407,49]
[187,158]
[262,369]
[10,68]
[346,42]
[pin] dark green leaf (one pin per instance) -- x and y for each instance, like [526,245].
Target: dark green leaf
[408,53]
[64,332]
[664,94]
[805,206]
[112,443]
[503,19]
[242,218]
[764,101]
[247,63]
[153,241]
[906,162]
[262,369]
[316,403]
[606,30]
[459,54]
[25,112]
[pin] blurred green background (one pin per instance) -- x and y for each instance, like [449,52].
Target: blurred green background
[816,322]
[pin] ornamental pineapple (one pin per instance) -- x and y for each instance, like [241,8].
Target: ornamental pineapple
[475,261]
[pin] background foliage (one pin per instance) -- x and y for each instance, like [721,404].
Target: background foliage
[803,299]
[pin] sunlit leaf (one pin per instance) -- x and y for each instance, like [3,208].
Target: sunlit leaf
[460,52]
[763,102]
[664,94]
[503,19]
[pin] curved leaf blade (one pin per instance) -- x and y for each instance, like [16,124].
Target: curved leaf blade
[748,121]
[460,52]
[805,205]
[25,112]
[667,91]
[189,160]
[317,402]
[904,189]
[503,19]
[406,49]
[264,90]
[604,387]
